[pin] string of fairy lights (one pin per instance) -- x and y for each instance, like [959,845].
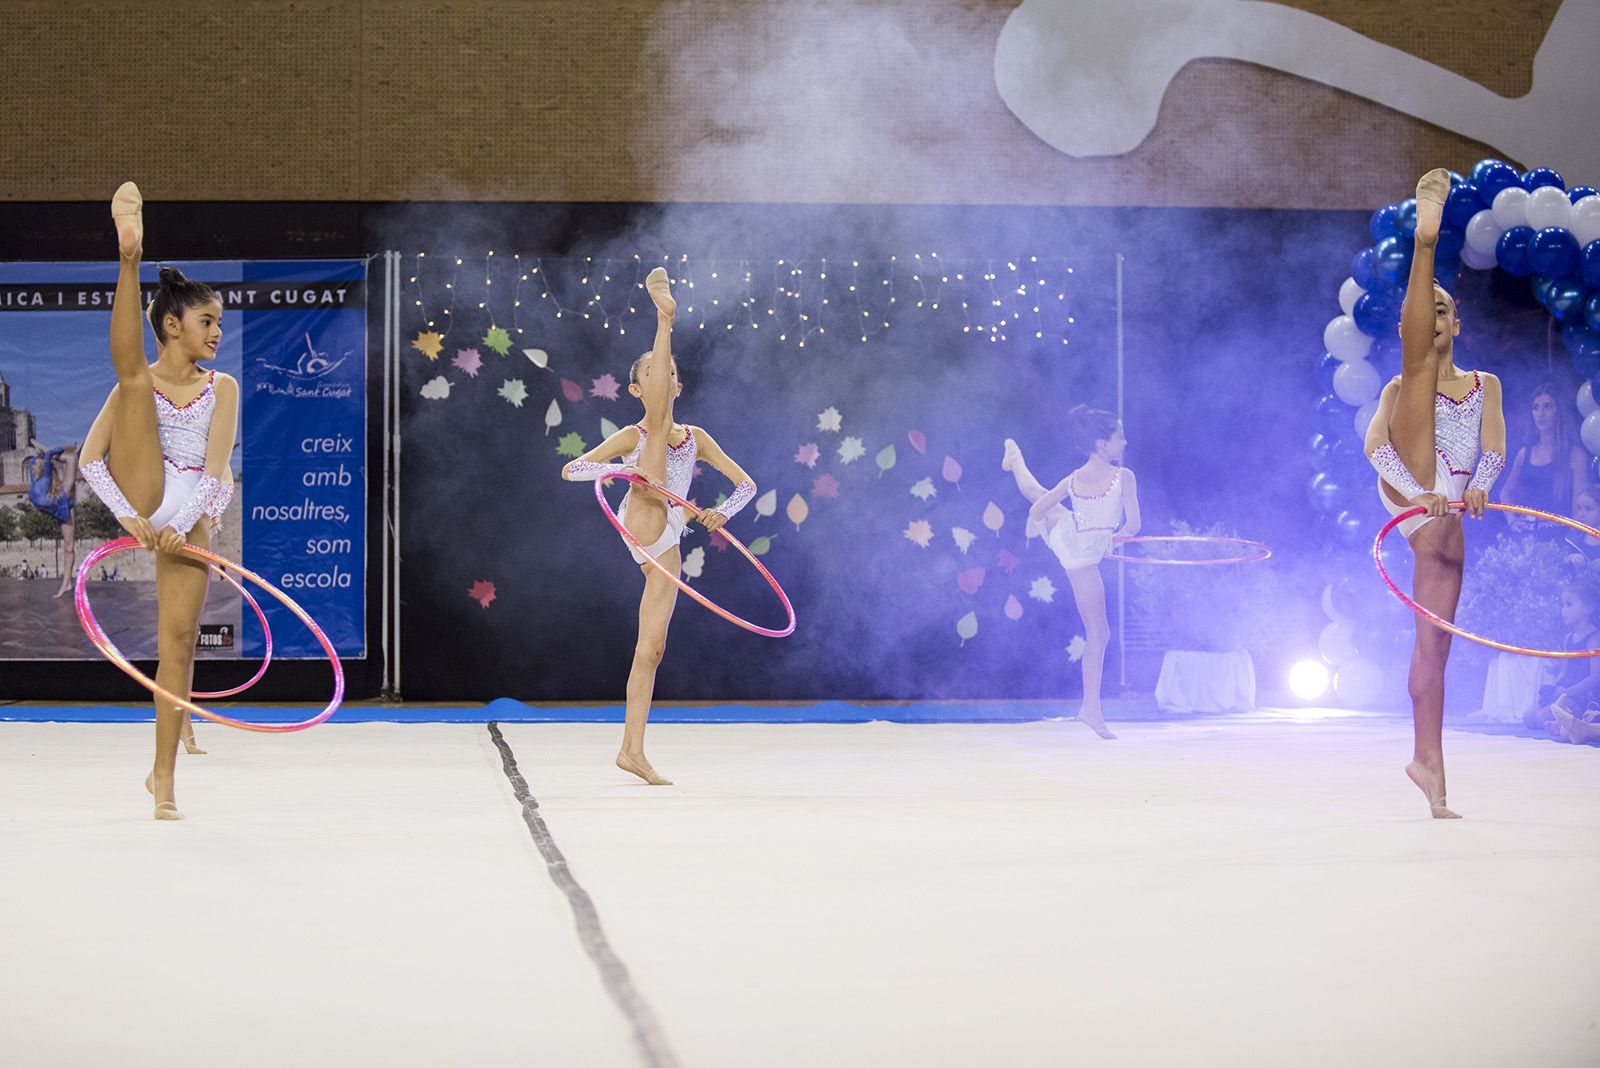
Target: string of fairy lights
[798,301]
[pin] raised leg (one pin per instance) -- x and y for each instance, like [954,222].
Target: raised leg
[1411,428]
[1031,487]
[134,456]
[1440,549]
[180,596]
[655,613]
[647,512]
[1089,591]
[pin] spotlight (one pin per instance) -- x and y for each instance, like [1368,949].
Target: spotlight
[1309,679]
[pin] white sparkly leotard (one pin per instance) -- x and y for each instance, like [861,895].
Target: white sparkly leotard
[186,494]
[1457,430]
[680,472]
[1080,536]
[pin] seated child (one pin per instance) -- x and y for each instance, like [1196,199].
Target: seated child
[1576,688]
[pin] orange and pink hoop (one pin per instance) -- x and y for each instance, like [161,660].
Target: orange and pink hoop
[599,493]
[1249,551]
[1445,624]
[108,649]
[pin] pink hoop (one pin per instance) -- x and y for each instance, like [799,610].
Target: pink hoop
[599,493]
[266,658]
[97,636]
[1262,551]
[1444,624]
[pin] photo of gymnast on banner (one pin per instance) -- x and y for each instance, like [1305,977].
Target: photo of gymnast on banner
[294,337]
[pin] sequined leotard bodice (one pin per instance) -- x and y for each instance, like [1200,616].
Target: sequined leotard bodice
[1458,428]
[185,429]
[680,460]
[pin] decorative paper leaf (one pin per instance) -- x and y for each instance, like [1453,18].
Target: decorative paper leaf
[539,357]
[571,390]
[767,503]
[469,361]
[437,389]
[498,340]
[1013,607]
[1008,561]
[964,538]
[482,592]
[552,416]
[607,428]
[952,471]
[824,486]
[807,454]
[830,419]
[967,627]
[761,546]
[885,459]
[970,580]
[797,510]
[923,489]
[919,531]
[994,518]
[719,542]
[695,562]
[514,392]
[1042,590]
[605,387]
[851,450]
[918,441]
[1075,648]
[429,344]
[571,445]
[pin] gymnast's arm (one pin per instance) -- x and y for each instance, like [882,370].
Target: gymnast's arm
[744,487]
[597,461]
[1049,500]
[1132,520]
[1492,440]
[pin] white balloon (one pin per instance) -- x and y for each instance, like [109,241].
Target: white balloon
[1358,683]
[1586,402]
[1349,293]
[1586,219]
[1511,207]
[1327,603]
[1478,261]
[1483,233]
[1590,432]
[1363,418]
[1549,206]
[1356,382]
[1344,340]
[1337,643]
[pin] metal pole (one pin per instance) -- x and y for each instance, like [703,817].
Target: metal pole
[383,533]
[394,509]
[1122,569]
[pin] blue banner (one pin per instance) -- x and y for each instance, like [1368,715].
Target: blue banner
[294,336]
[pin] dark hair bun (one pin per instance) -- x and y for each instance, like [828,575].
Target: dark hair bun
[172,277]
[175,295]
[1087,426]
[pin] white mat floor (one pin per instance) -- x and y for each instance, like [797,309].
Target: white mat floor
[1251,891]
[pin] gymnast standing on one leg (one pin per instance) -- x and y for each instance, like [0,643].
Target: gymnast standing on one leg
[663,452]
[157,455]
[1430,424]
[52,488]
[1098,497]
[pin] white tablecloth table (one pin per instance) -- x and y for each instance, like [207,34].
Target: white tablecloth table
[1206,682]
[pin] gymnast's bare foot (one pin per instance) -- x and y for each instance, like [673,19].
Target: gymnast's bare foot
[638,765]
[659,286]
[165,810]
[1012,457]
[1432,786]
[1432,189]
[1095,721]
[127,212]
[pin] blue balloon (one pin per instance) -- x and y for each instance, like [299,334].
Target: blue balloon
[1541,289]
[1327,363]
[1383,222]
[1451,241]
[1461,205]
[1325,492]
[1581,341]
[1553,252]
[1321,449]
[1392,259]
[1589,264]
[1491,176]
[1333,415]
[1405,220]
[1351,531]
[1566,301]
[1542,176]
[1375,314]
[1578,192]
[1447,270]
[1591,313]
[1361,268]
[1586,361]
[1512,251]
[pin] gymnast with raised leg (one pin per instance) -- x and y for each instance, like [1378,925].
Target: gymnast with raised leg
[52,488]
[157,455]
[665,453]
[1431,422]
[1078,519]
